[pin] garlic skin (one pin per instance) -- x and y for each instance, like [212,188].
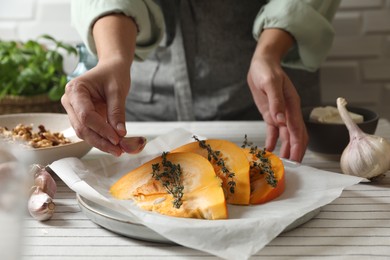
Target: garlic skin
[45,181]
[40,205]
[366,155]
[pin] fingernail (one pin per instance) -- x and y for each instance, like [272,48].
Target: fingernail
[113,140]
[280,118]
[132,144]
[121,128]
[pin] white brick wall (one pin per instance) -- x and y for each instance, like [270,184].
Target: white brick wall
[358,66]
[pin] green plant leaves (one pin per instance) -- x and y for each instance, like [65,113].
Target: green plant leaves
[30,68]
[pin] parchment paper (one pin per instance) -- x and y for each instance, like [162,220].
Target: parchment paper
[248,229]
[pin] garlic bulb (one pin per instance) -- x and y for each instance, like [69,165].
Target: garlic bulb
[40,205]
[366,155]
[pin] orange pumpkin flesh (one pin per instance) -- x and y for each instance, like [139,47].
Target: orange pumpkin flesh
[236,162]
[203,196]
[261,191]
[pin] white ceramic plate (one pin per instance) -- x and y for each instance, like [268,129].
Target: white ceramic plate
[118,222]
[53,122]
[123,225]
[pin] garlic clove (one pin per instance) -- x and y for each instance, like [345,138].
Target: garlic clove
[132,145]
[366,155]
[44,180]
[41,205]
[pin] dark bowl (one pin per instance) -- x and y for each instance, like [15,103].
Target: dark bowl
[333,138]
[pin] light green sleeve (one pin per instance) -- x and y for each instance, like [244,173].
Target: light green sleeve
[309,21]
[146,14]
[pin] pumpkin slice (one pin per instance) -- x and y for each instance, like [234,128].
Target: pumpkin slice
[237,187]
[202,197]
[266,184]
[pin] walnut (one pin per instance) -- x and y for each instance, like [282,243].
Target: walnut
[41,139]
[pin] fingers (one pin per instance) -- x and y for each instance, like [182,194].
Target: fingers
[293,134]
[85,106]
[268,78]
[278,102]
[275,97]
[298,140]
[89,117]
[116,112]
[285,142]
[298,136]
[271,137]
[87,133]
[265,93]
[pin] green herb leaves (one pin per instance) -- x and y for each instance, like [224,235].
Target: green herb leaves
[170,178]
[263,164]
[29,68]
[215,156]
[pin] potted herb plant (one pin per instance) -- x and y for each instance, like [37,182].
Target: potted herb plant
[32,78]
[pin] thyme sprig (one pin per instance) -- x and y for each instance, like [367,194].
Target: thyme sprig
[246,143]
[215,156]
[263,164]
[170,178]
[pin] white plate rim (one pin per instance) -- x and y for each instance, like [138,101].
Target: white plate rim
[108,219]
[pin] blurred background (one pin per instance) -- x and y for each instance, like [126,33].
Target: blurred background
[358,66]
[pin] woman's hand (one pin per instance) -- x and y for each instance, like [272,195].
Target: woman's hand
[276,97]
[95,101]
[95,104]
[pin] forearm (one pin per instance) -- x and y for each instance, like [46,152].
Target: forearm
[309,21]
[115,37]
[274,43]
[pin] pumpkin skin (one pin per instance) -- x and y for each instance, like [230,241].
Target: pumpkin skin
[236,162]
[261,191]
[203,196]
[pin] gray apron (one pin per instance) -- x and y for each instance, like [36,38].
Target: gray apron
[199,71]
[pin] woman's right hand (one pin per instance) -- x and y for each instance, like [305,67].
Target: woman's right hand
[95,101]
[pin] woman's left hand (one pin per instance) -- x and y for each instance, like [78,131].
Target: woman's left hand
[277,99]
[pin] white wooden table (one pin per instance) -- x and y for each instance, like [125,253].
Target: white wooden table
[354,226]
